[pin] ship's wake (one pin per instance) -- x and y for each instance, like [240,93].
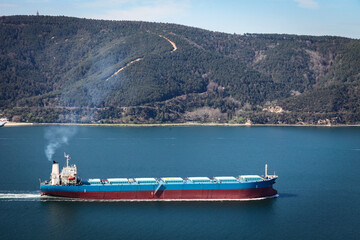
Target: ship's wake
[20,196]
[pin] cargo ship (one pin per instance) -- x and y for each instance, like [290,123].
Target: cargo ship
[67,184]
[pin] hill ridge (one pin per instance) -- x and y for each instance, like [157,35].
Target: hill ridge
[54,68]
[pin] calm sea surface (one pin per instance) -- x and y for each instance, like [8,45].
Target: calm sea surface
[318,168]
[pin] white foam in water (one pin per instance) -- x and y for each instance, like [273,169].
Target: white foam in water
[19,195]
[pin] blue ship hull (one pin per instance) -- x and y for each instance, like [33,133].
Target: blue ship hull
[165,191]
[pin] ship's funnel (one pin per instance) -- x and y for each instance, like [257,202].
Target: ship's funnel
[55,178]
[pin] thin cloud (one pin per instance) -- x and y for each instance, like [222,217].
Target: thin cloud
[155,11]
[8,5]
[309,4]
[102,3]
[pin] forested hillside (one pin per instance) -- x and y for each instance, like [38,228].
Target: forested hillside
[62,69]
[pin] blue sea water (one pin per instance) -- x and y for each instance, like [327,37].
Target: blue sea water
[318,170]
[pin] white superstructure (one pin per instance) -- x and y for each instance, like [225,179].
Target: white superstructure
[67,175]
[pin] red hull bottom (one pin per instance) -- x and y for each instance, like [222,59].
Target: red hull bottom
[232,194]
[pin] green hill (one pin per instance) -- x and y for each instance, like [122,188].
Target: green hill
[62,69]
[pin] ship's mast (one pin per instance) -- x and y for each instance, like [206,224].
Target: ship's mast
[67,159]
[266,171]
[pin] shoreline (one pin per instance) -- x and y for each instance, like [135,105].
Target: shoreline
[187,124]
[16,124]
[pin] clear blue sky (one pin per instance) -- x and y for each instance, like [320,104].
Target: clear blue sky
[305,17]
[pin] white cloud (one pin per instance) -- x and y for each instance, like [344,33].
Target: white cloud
[310,4]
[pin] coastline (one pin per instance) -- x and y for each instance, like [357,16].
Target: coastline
[187,124]
[17,124]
